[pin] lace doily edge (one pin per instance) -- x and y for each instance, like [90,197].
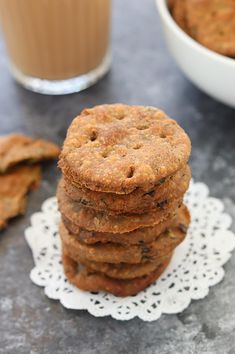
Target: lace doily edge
[132,315]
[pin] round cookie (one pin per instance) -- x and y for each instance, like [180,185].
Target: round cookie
[116,253]
[138,201]
[145,234]
[170,4]
[177,8]
[93,220]
[120,270]
[212,23]
[94,281]
[118,148]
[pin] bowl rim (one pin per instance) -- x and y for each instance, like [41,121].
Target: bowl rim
[166,16]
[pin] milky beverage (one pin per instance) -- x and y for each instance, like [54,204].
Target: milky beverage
[55,39]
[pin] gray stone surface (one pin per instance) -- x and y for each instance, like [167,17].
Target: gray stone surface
[143,73]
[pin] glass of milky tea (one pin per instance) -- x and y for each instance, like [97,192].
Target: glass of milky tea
[57,46]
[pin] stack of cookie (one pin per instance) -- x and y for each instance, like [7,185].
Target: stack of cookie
[125,173]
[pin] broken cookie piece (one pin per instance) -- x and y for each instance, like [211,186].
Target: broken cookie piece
[17,148]
[14,187]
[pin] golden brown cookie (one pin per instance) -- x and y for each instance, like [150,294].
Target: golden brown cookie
[13,189]
[88,280]
[136,202]
[212,23]
[16,148]
[93,220]
[177,8]
[145,234]
[118,148]
[170,4]
[119,270]
[116,253]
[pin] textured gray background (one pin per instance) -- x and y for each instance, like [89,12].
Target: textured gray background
[142,73]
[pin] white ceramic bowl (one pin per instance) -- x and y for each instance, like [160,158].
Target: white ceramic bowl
[211,72]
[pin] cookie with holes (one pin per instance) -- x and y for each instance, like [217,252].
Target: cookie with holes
[116,253]
[118,148]
[138,201]
[90,280]
[93,220]
[212,23]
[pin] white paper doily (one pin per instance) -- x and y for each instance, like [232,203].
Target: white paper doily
[197,263]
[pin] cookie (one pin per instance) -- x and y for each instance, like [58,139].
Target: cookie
[14,187]
[177,8]
[88,280]
[145,234]
[93,220]
[118,148]
[118,270]
[138,201]
[170,4]
[17,148]
[212,23]
[116,253]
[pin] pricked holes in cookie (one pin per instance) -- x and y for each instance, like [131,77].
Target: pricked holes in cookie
[142,127]
[121,116]
[123,154]
[93,135]
[77,146]
[131,171]
[105,154]
[137,146]
[163,136]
